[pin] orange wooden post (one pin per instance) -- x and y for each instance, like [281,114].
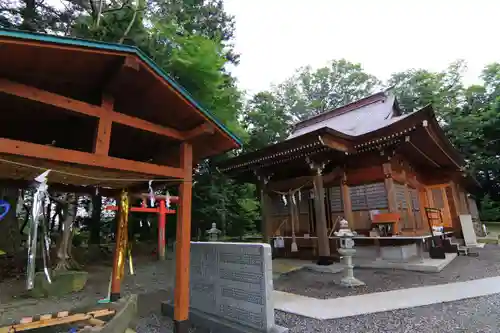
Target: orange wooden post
[120,247]
[162,221]
[183,243]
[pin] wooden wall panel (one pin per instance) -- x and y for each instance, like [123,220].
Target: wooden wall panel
[364,175]
[368,197]
[336,203]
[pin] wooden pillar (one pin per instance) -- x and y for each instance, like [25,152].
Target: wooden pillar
[266,226]
[162,221]
[319,207]
[183,242]
[409,204]
[389,187]
[346,201]
[457,226]
[103,135]
[120,247]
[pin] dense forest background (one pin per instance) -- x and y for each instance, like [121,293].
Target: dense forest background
[192,40]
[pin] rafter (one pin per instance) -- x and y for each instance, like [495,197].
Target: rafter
[46,97]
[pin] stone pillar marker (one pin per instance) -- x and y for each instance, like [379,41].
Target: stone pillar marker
[347,251]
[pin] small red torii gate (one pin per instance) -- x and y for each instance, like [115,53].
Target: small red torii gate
[162,212]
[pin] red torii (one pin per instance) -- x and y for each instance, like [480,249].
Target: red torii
[162,212]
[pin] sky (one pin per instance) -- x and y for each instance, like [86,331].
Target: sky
[275,37]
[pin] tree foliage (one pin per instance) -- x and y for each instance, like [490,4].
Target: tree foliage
[192,40]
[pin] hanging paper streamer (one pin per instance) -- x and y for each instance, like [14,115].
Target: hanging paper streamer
[36,215]
[283,197]
[300,195]
[46,247]
[167,200]
[293,199]
[151,194]
[4,208]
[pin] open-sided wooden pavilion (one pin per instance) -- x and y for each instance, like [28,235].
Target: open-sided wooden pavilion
[102,115]
[365,161]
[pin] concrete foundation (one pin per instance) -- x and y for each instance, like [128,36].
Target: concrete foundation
[415,264]
[401,253]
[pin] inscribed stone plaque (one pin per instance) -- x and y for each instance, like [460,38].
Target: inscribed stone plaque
[233,281]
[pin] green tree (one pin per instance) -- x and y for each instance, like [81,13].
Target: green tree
[310,92]
[265,121]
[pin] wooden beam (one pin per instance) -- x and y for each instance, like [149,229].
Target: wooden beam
[46,97]
[103,135]
[204,128]
[183,242]
[335,144]
[144,125]
[22,148]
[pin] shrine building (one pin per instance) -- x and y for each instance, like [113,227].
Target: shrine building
[366,162]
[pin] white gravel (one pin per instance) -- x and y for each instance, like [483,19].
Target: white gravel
[479,315]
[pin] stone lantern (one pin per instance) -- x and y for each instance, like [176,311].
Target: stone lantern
[213,233]
[347,251]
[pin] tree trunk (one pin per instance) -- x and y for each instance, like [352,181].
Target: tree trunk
[65,262]
[9,225]
[28,15]
[95,222]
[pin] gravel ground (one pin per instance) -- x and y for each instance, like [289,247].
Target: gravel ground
[326,285]
[150,278]
[479,315]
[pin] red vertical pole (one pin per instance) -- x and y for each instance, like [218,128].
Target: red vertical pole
[162,220]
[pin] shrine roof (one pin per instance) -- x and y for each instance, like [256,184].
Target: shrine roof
[56,90]
[84,67]
[357,118]
[373,123]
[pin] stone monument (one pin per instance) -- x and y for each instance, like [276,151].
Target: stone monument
[347,251]
[231,287]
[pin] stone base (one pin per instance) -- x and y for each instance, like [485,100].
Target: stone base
[215,324]
[324,261]
[400,253]
[332,269]
[63,283]
[415,264]
[351,282]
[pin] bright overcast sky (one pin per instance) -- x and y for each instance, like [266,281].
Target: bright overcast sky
[274,37]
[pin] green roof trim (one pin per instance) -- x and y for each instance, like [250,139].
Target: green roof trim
[120,48]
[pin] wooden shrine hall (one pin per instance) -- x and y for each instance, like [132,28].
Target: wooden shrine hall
[365,162]
[105,116]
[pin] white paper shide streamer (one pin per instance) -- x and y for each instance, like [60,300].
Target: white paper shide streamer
[36,215]
[167,200]
[151,194]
